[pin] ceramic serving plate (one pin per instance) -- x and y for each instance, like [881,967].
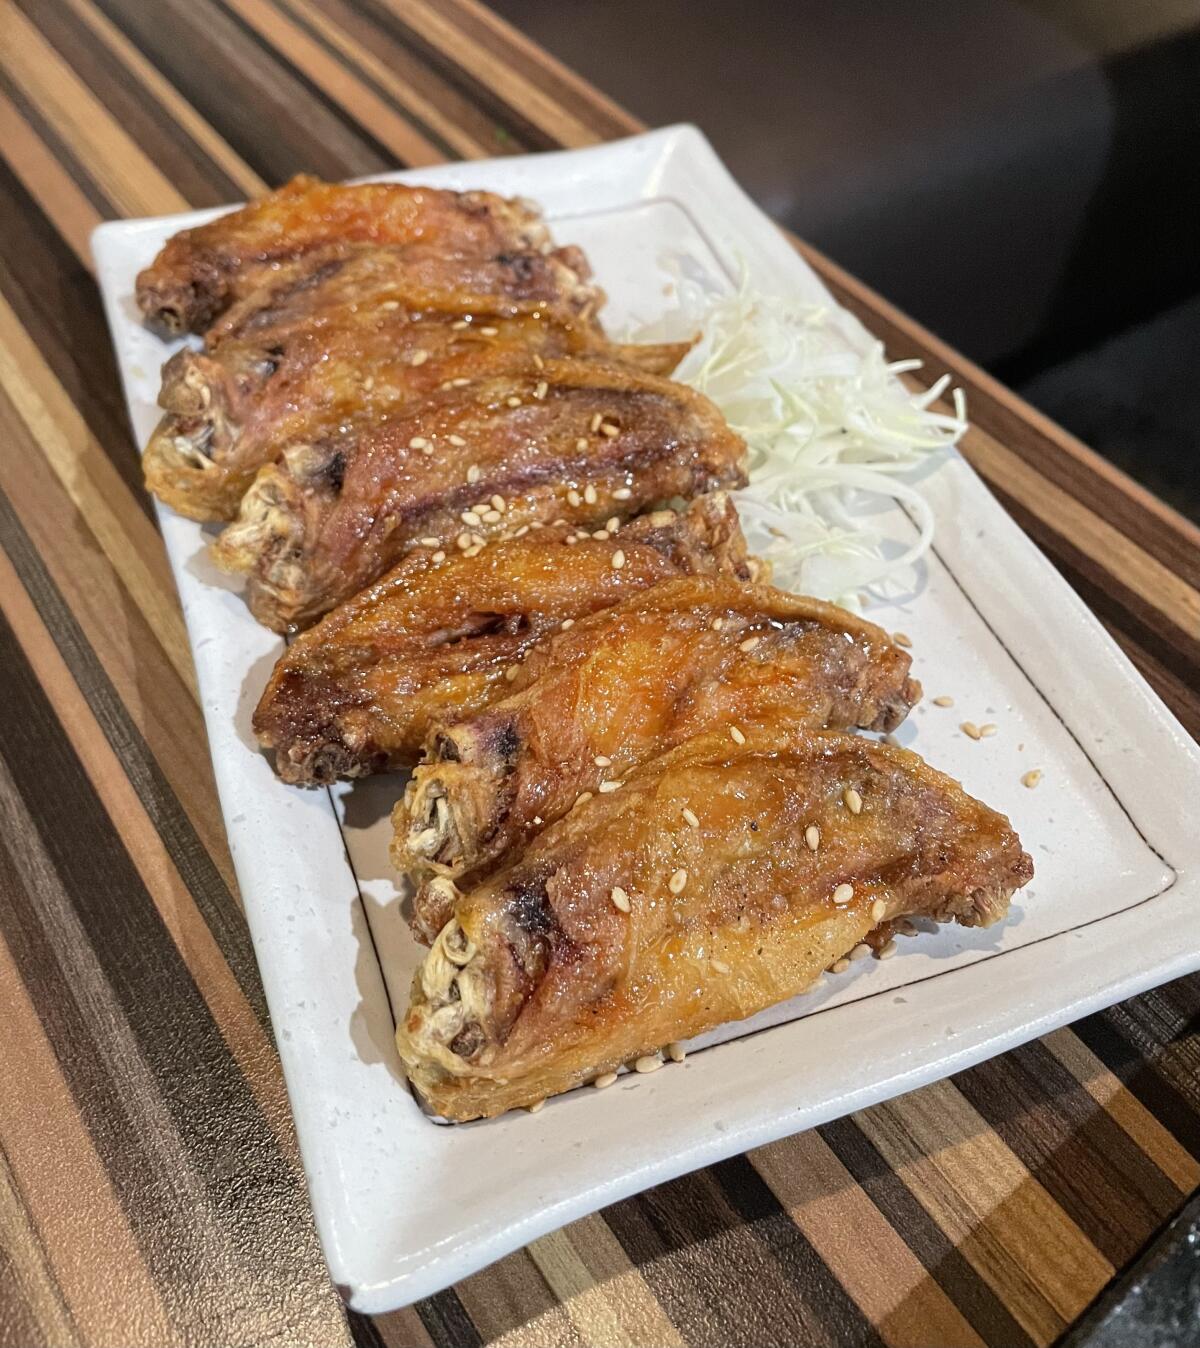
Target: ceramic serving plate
[406,1206]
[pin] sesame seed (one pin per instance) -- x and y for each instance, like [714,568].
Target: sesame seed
[474,473]
[943,701]
[474,550]
[602,762]
[970,728]
[581,443]
[463,541]
[620,900]
[607,787]
[439,556]
[538,361]
[843,894]
[594,426]
[1031,778]
[622,494]
[512,401]
[986,731]
[604,1079]
[368,383]
[459,325]
[902,639]
[418,357]
[461,382]
[886,951]
[675,1051]
[489,332]
[736,735]
[860,951]
[574,498]
[567,624]
[613,524]
[470,517]
[429,542]
[537,819]
[601,535]
[677,881]
[537,1104]
[812,837]
[618,560]
[717,624]
[570,539]
[542,389]
[390,304]
[418,442]
[749,644]
[428,451]
[491,517]
[690,818]
[511,672]
[839,966]
[853,800]
[499,503]
[478,539]
[891,741]
[522,531]
[878,908]
[650,1062]
[589,494]
[719,967]
[610,430]
[583,797]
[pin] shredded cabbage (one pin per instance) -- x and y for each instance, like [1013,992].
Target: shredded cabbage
[832,432]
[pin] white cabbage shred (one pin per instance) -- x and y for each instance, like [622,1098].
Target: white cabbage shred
[834,436]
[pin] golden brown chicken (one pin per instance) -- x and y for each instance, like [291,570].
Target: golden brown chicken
[290,234]
[580,441]
[588,705]
[334,369]
[432,640]
[624,927]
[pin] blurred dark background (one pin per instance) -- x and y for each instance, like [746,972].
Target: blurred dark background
[1022,176]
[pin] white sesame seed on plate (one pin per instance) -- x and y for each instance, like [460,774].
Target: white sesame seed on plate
[1031,778]
[690,818]
[943,701]
[618,560]
[860,951]
[986,731]
[649,1062]
[622,494]
[736,735]
[887,950]
[604,1079]
[853,800]
[812,837]
[675,1051]
[843,893]
[970,729]
[537,1104]
[677,881]
[902,639]
[620,900]
[839,966]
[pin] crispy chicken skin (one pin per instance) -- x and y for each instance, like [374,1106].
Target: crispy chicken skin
[335,371]
[581,441]
[541,979]
[200,272]
[588,705]
[359,692]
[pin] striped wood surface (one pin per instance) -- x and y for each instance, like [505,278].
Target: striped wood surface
[150,1191]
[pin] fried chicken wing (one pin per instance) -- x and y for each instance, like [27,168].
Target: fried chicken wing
[200,272]
[358,692]
[588,705]
[623,928]
[583,441]
[336,369]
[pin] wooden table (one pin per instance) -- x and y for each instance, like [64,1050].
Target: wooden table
[150,1190]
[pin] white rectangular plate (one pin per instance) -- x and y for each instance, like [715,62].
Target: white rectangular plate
[406,1207]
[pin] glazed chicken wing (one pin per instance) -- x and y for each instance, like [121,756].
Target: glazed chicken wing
[581,441]
[624,927]
[200,272]
[431,641]
[336,369]
[588,705]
